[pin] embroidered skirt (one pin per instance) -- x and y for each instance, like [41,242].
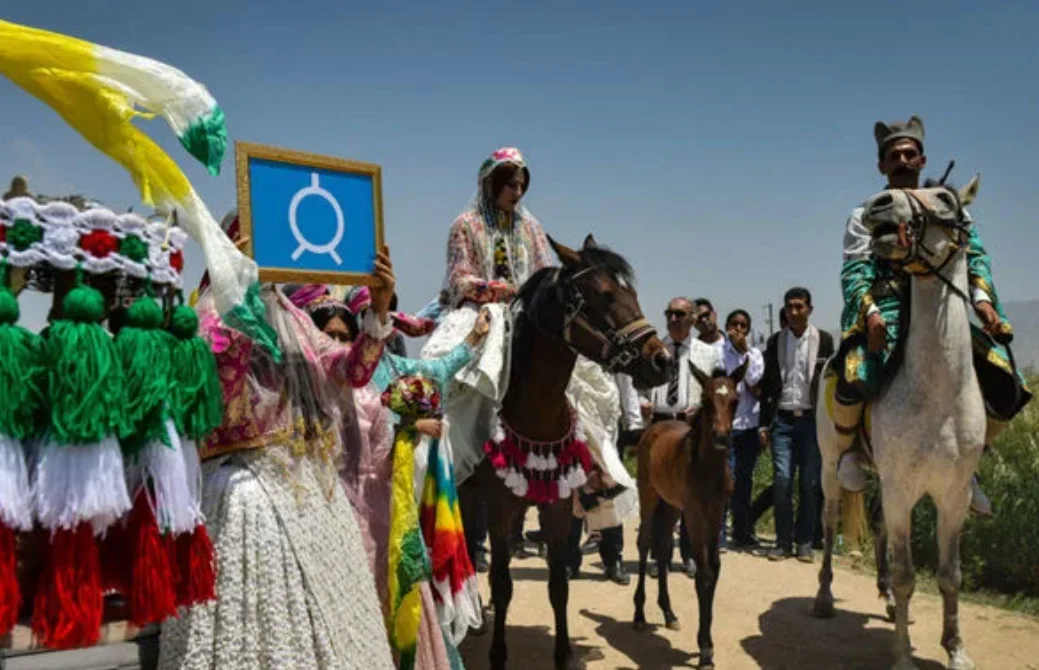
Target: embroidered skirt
[294,589]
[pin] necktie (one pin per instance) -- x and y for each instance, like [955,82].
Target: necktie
[672,386]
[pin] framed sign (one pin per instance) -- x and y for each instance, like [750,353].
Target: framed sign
[309,218]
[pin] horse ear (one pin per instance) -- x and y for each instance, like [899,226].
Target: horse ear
[567,256]
[969,193]
[590,243]
[699,374]
[738,373]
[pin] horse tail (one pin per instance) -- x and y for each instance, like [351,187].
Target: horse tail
[854,520]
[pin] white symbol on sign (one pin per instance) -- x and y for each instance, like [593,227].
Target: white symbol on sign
[304,243]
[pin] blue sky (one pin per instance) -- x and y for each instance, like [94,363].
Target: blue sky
[718,146]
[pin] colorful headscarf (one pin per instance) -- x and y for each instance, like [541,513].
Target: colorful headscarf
[503,156]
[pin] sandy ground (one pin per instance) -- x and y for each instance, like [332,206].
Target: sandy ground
[762,619]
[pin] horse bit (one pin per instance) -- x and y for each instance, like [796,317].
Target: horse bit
[911,236]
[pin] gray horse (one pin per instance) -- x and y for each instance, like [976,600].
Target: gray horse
[928,426]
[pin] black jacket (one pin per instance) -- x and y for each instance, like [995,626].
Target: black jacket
[772,382]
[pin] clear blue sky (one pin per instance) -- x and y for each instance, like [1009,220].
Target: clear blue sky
[719,146]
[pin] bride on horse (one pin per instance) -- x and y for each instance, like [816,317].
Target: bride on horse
[494,246]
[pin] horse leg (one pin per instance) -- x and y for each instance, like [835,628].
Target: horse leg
[831,510]
[557,522]
[703,536]
[645,542]
[501,515]
[951,515]
[899,525]
[663,532]
[883,560]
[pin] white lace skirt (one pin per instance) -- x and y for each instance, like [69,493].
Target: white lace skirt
[294,590]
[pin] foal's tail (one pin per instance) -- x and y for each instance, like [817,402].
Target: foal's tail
[854,520]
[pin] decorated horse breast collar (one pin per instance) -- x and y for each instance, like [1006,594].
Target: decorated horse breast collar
[537,471]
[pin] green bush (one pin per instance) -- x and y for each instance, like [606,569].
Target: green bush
[999,553]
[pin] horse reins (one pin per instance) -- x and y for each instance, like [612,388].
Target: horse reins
[911,235]
[620,346]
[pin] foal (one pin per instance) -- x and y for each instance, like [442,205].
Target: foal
[683,469]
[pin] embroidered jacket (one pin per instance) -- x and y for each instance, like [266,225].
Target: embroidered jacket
[487,264]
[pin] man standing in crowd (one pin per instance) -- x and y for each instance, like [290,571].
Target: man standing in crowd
[793,360]
[681,396]
[743,455]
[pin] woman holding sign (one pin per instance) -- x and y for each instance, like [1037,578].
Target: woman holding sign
[294,586]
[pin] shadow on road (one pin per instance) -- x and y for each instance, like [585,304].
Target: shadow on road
[793,638]
[646,649]
[529,647]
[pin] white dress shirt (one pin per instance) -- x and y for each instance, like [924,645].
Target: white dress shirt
[748,410]
[631,412]
[796,394]
[703,356]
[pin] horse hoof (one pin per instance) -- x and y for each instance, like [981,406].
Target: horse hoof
[960,661]
[673,625]
[824,609]
[640,626]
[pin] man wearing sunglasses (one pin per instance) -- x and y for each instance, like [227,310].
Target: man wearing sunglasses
[681,396]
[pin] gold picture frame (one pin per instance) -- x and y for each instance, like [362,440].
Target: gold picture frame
[247,151]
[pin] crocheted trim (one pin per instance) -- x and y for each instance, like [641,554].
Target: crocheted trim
[60,236]
[541,472]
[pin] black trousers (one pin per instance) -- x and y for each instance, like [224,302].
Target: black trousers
[611,545]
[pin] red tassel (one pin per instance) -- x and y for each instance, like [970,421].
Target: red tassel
[69,602]
[152,597]
[116,559]
[197,561]
[178,570]
[10,592]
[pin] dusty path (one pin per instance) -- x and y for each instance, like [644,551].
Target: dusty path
[762,619]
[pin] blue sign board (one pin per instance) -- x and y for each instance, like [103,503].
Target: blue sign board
[309,218]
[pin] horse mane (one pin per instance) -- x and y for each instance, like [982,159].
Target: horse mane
[530,287]
[609,260]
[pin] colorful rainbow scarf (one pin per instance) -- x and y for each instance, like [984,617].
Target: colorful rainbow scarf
[455,586]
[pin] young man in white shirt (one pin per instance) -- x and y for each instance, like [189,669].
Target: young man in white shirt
[793,362]
[681,396]
[743,455]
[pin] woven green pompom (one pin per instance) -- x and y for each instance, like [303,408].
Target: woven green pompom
[145,355]
[198,404]
[85,378]
[23,373]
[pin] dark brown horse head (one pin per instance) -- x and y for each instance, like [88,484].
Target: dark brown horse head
[601,316]
[720,398]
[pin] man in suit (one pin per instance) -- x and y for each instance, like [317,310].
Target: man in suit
[793,362]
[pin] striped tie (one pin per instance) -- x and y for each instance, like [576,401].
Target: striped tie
[672,386]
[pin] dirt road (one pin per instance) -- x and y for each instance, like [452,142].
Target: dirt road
[762,619]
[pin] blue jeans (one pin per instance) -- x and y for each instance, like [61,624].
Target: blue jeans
[794,448]
[743,457]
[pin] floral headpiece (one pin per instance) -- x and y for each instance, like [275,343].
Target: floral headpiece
[505,155]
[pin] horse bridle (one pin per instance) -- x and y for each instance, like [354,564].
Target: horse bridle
[620,346]
[911,236]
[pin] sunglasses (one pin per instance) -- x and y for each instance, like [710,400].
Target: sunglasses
[676,313]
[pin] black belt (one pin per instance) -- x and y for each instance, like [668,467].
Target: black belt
[794,413]
[670,416]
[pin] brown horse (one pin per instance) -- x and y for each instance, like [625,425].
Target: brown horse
[683,469]
[588,306]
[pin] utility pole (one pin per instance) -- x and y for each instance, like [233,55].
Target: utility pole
[771,327]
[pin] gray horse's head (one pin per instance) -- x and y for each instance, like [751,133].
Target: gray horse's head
[920,229]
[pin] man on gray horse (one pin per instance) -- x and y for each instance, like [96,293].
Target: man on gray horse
[876,307]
